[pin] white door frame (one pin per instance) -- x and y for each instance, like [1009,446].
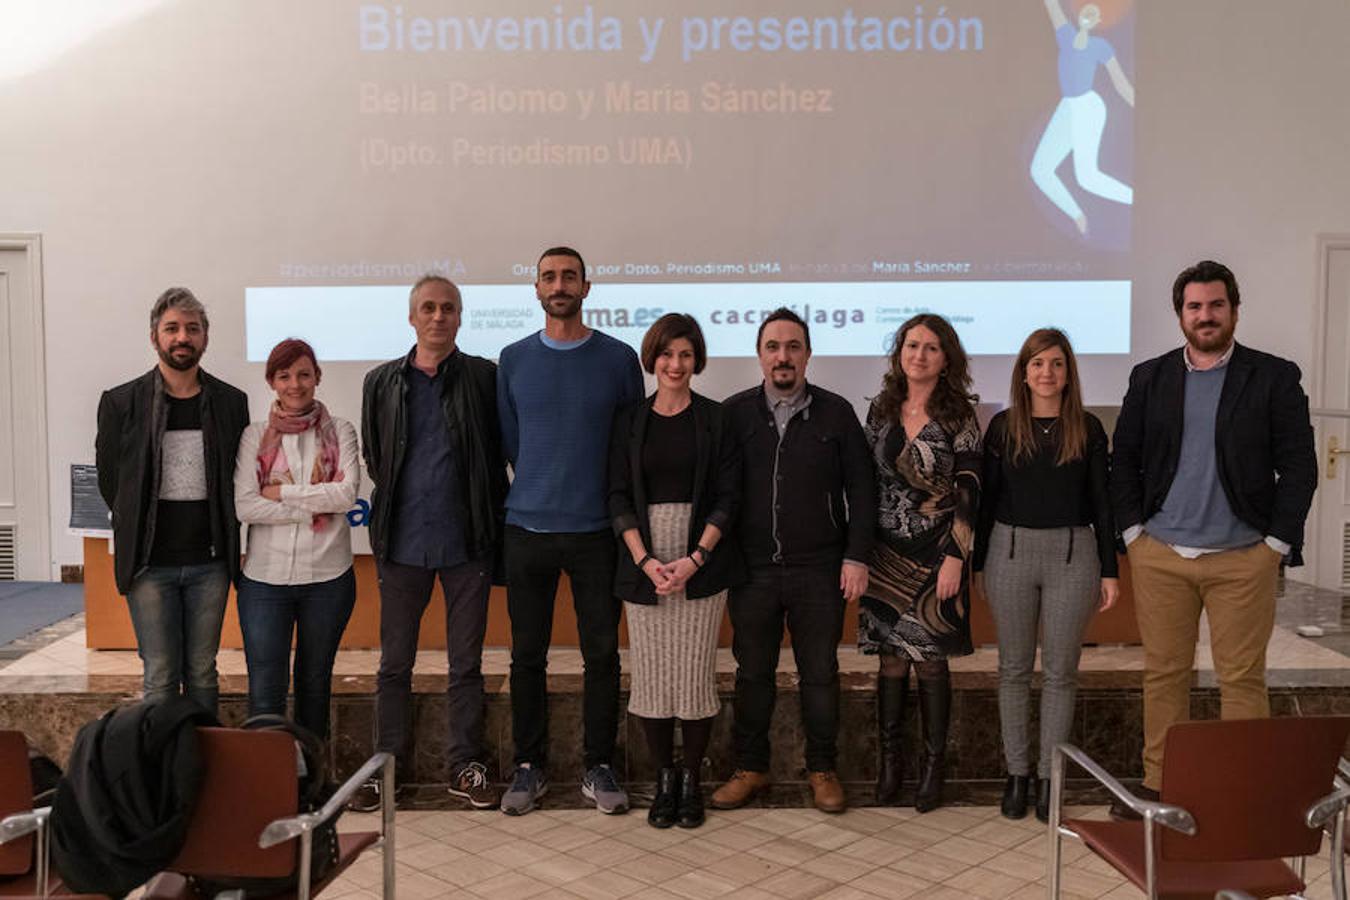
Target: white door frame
[30,392]
[1321,334]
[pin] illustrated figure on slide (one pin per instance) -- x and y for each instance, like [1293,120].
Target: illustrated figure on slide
[1080,118]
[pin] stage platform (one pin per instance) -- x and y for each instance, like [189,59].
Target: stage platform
[50,684]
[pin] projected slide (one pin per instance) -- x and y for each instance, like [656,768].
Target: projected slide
[858,162]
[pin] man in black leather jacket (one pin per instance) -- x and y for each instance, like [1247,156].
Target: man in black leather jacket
[433,450]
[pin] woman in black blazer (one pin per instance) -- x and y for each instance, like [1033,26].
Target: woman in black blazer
[673,476]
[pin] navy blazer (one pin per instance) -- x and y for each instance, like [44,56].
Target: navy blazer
[1263,439]
[717,466]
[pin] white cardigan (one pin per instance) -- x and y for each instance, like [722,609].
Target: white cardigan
[282,547]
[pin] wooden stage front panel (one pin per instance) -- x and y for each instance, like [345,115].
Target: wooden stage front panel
[108,624]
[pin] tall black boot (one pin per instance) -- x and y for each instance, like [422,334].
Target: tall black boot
[935,707]
[892,694]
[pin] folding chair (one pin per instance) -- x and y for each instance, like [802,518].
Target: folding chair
[1238,797]
[23,831]
[25,860]
[246,820]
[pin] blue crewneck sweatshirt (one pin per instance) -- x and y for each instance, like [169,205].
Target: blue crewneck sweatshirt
[556,403]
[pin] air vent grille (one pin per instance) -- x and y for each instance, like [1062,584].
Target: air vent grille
[1345,556]
[9,552]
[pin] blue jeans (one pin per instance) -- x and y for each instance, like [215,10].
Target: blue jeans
[176,612]
[317,614]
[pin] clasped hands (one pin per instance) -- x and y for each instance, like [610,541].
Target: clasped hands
[669,577]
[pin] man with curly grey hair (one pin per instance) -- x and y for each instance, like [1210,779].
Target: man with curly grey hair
[166,450]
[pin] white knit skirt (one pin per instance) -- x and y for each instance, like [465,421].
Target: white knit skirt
[673,644]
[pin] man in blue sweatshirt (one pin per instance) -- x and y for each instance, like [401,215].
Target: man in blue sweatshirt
[557,392]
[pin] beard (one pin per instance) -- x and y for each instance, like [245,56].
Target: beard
[183,361]
[783,377]
[1216,339]
[555,308]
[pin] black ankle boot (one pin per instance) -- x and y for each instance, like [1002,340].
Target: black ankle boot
[891,697]
[664,808]
[690,802]
[1015,792]
[1043,799]
[935,708]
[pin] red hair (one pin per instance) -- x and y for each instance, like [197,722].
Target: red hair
[1112,10]
[285,355]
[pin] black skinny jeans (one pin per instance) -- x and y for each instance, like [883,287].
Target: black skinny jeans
[813,606]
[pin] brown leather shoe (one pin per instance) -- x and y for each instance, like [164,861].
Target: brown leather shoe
[740,789]
[827,793]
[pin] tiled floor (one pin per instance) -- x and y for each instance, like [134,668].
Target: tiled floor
[752,854]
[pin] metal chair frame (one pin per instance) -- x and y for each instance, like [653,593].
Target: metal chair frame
[1329,810]
[173,881]
[302,825]
[34,822]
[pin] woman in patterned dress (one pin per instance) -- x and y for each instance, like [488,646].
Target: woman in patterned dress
[915,613]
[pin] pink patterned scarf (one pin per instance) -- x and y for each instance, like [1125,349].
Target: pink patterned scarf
[272,465]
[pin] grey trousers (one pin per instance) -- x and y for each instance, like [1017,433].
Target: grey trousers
[405,592]
[1046,580]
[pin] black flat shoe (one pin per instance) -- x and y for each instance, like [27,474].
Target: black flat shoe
[1015,792]
[689,801]
[1043,799]
[664,809]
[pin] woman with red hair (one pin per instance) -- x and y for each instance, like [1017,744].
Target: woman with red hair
[297,476]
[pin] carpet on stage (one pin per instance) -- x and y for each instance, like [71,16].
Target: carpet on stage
[29,606]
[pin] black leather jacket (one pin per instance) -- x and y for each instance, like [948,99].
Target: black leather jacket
[131,422]
[469,400]
[123,808]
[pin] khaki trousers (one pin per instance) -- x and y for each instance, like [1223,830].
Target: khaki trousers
[1236,589]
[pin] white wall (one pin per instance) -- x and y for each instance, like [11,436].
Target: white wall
[1243,154]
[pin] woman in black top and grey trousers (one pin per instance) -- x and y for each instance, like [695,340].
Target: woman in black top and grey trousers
[1045,542]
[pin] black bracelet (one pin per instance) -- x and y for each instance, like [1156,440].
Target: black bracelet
[646,559]
[704,550]
[694,559]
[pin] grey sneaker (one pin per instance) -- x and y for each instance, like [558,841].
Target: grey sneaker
[603,789]
[528,784]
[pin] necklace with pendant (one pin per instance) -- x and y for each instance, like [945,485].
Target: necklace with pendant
[1046,429]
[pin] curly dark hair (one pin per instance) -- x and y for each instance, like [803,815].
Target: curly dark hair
[952,402]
